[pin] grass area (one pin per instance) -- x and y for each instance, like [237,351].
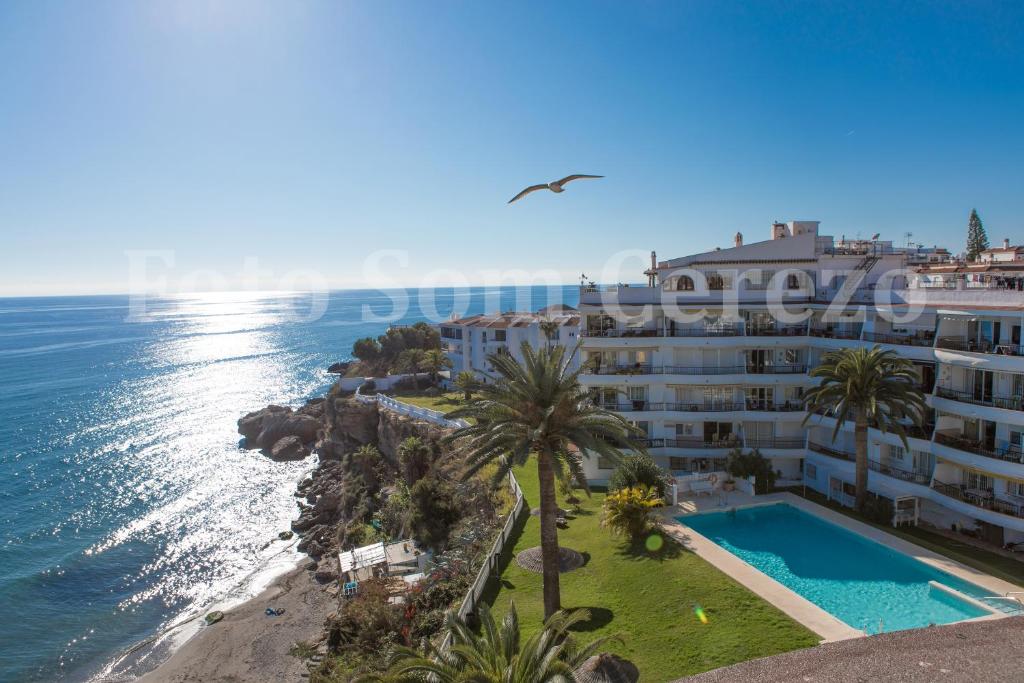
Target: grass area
[647,599]
[443,402]
[994,564]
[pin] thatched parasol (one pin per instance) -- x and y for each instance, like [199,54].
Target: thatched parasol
[607,668]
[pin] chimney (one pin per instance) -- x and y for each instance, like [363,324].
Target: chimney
[739,239]
[1006,243]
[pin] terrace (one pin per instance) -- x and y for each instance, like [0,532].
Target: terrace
[1004,402]
[979,346]
[962,443]
[980,498]
[920,339]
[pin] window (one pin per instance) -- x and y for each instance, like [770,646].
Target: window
[812,471]
[759,279]
[717,281]
[684,284]
[1015,488]
[895,452]
[792,356]
[604,463]
[792,281]
[974,480]
[684,429]
[499,335]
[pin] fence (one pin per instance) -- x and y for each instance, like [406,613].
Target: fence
[491,562]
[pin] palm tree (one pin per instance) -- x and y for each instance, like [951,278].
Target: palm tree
[497,655]
[872,388]
[550,329]
[539,407]
[466,382]
[434,361]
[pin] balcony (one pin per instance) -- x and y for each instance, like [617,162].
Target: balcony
[709,331]
[979,346]
[831,452]
[628,332]
[1006,403]
[981,498]
[795,369]
[776,331]
[705,370]
[921,339]
[625,369]
[776,442]
[691,442]
[1010,454]
[827,333]
[899,473]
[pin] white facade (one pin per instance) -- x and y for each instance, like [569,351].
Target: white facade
[469,341]
[717,356]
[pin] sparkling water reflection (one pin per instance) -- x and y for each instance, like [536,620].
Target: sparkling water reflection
[126,500]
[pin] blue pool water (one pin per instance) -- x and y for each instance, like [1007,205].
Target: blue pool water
[863,583]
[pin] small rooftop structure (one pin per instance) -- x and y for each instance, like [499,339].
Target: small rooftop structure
[387,559]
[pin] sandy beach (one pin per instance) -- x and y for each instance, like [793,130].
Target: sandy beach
[247,645]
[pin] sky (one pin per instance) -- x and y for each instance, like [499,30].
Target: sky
[280,145]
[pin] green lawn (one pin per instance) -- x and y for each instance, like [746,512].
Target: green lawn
[648,600]
[994,564]
[444,402]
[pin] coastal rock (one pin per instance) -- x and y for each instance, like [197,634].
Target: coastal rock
[264,428]
[289,448]
[339,368]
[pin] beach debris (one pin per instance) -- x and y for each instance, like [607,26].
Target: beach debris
[274,612]
[214,617]
[286,535]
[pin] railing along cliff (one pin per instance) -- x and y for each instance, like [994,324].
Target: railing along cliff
[491,563]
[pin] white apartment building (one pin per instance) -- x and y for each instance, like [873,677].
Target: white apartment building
[467,342]
[716,355]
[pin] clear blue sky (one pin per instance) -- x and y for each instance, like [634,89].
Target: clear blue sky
[308,135]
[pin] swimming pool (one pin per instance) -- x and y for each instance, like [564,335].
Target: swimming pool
[862,583]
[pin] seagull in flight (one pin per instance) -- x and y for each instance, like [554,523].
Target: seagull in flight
[556,186]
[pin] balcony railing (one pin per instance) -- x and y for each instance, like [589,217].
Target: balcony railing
[1006,403]
[904,340]
[691,442]
[1010,454]
[833,333]
[899,473]
[705,370]
[711,331]
[628,332]
[979,346]
[775,442]
[982,498]
[795,369]
[623,369]
[831,452]
[705,406]
[776,331]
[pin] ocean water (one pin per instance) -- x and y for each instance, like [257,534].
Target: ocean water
[125,501]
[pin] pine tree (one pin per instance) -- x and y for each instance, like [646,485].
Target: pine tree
[977,240]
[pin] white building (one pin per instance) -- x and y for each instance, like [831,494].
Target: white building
[717,354]
[469,341]
[1003,254]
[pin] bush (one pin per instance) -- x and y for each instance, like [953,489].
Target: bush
[434,511]
[628,510]
[638,470]
[752,464]
[368,623]
[878,510]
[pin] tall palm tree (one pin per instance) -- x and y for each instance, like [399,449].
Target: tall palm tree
[871,388]
[497,654]
[538,407]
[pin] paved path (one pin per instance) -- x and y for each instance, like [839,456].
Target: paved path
[981,651]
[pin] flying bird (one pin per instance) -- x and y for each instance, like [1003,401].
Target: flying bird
[556,186]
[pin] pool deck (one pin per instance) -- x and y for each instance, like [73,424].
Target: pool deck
[796,606]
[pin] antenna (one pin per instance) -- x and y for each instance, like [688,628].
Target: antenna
[906,236]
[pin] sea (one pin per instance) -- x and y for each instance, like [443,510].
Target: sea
[127,506]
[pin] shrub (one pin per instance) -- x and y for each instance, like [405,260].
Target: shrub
[415,457]
[638,470]
[434,511]
[878,510]
[752,464]
[628,510]
[368,623]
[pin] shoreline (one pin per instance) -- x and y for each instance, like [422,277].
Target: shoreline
[249,645]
